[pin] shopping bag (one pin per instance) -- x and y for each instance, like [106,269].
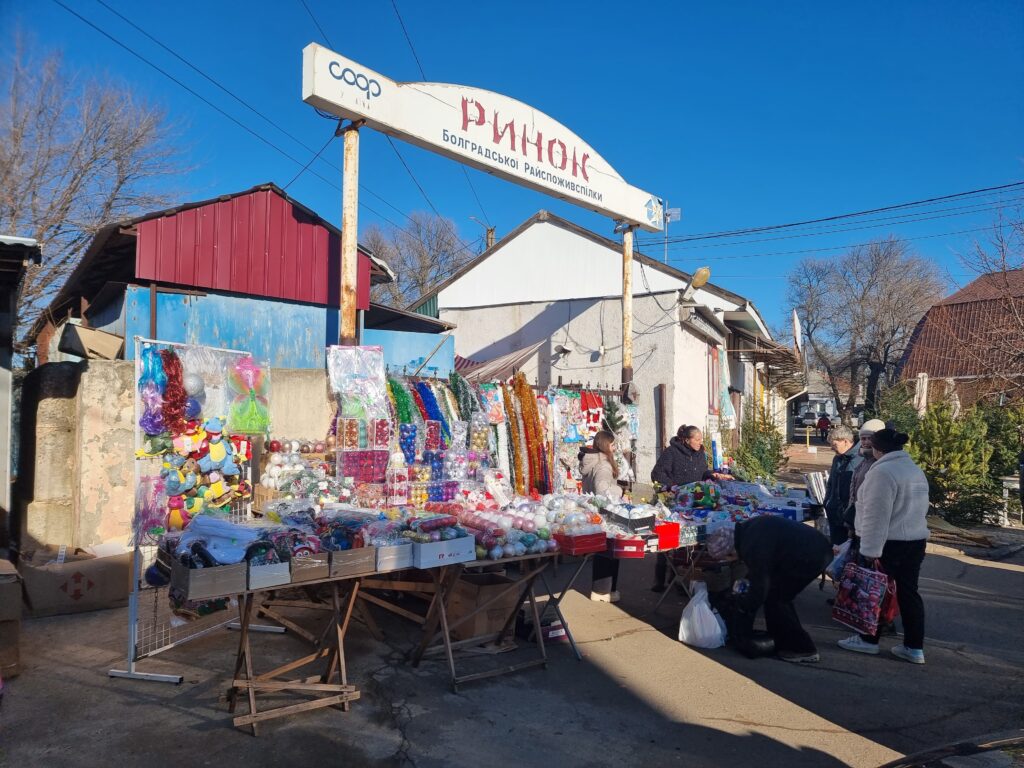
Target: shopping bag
[835,568]
[859,599]
[890,606]
[698,625]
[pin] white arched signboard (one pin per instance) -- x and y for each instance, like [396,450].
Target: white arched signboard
[480,128]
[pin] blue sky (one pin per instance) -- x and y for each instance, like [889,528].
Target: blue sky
[742,114]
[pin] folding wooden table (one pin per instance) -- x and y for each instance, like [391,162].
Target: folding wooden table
[330,688]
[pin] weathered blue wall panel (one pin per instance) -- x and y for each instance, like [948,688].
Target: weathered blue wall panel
[110,317]
[286,334]
[407,350]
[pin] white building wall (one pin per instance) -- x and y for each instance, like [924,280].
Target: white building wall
[549,263]
[583,326]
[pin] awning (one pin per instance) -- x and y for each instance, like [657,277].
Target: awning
[497,369]
[785,369]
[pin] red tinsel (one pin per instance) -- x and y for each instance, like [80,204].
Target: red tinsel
[174,394]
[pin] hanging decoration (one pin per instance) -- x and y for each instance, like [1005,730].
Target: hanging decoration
[248,388]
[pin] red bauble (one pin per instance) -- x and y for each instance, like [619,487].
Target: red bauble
[274,446]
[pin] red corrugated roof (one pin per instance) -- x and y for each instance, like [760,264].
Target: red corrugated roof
[978,331]
[995,285]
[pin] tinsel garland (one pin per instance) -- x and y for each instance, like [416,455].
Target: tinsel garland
[403,403]
[439,391]
[453,403]
[519,482]
[174,392]
[433,410]
[421,408]
[464,395]
[535,443]
[502,448]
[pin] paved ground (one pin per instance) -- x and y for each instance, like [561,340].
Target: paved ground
[638,697]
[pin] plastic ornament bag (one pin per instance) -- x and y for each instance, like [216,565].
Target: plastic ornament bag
[249,390]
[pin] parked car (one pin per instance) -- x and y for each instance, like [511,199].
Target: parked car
[810,418]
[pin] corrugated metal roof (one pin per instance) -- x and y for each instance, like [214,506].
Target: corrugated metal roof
[968,339]
[257,244]
[994,285]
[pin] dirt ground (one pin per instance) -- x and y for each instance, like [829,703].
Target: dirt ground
[637,697]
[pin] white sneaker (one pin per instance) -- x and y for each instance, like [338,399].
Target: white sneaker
[605,597]
[857,644]
[913,655]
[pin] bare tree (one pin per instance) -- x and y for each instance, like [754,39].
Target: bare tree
[425,253]
[859,312]
[75,154]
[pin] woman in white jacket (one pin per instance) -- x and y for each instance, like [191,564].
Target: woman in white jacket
[599,471]
[891,521]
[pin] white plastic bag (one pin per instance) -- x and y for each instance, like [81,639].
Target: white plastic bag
[699,626]
[835,568]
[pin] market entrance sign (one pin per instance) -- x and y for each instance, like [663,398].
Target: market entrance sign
[480,128]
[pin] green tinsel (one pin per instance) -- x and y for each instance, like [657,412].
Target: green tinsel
[403,402]
[467,400]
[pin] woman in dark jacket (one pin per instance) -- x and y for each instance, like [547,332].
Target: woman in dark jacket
[683,461]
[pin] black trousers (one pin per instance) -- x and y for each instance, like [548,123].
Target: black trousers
[780,617]
[837,530]
[605,567]
[661,569]
[901,560]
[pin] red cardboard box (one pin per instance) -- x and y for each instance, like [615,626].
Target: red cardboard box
[668,535]
[582,545]
[627,549]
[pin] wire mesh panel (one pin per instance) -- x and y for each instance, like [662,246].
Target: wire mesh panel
[155,623]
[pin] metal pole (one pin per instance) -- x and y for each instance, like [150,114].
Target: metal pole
[627,305]
[350,235]
[667,219]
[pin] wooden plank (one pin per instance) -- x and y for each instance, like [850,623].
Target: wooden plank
[294,685]
[392,607]
[323,652]
[299,604]
[306,706]
[399,586]
[499,671]
[288,624]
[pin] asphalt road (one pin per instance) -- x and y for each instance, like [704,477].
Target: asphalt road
[638,697]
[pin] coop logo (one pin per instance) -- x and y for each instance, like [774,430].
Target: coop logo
[349,76]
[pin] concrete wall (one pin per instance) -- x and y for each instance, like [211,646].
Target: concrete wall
[76,485]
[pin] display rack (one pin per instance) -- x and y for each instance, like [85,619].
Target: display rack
[152,627]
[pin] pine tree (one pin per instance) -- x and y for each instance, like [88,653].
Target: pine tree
[955,454]
[613,419]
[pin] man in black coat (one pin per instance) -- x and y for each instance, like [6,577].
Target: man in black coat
[782,558]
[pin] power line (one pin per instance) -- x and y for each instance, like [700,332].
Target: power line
[295,178]
[221,111]
[323,34]
[964,211]
[423,74]
[838,247]
[401,159]
[914,204]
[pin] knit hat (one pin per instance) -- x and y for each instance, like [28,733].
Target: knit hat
[889,440]
[722,543]
[871,426]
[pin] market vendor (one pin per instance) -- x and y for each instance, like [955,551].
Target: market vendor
[782,558]
[683,461]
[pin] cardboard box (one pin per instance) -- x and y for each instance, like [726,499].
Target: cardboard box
[354,562]
[90,343]
[394,558]
[473,590]
[10,592]
[438,553]
[624,549]
[583,544]
[81,583]
[311,568]
[272,575]
[204,583]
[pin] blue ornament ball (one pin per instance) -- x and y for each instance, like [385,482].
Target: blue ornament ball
[192,408]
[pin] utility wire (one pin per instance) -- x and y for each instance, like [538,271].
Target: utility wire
[295,178]
[838,247]
[322,33]
[969,210]
[423,74]
[916,203]
[401,159]
[227,115]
